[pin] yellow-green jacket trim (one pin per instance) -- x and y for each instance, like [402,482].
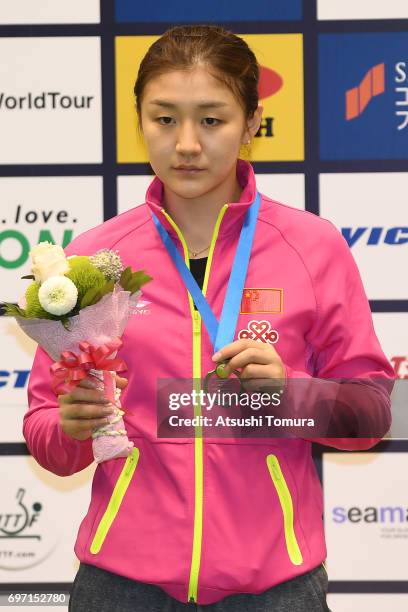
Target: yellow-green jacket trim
[115,500]
[286,503]
[198,441]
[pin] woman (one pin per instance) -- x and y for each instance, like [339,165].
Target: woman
[186,523]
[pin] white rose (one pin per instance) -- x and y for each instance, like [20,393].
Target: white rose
[48,260]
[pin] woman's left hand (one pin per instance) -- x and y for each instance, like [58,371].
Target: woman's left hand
[259,362]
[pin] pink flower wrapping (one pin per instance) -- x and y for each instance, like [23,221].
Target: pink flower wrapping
[98,325]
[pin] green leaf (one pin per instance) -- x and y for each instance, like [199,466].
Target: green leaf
[107,288]
[135,281]
[66,323]
[141,278]
[125,277]
[89,296]
[132,286]
[12,310]
[93,295]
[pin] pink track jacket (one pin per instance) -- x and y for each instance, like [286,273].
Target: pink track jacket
[207,518]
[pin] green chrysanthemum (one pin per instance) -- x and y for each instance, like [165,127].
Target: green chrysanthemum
[84,275]
[33,307]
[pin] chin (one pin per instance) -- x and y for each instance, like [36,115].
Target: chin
[188,189]
[190,194]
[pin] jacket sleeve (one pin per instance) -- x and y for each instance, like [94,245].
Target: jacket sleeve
[49,445]
[343,345]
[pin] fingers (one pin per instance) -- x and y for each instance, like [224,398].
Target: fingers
[237,354]
[85,411]
[82,394]
[229,350]
[121,383]
[263,385]
[82,429]
[82,425]
[91,382]
[264,378]
[79,420]
[86,408]
[259,371]
[252,355]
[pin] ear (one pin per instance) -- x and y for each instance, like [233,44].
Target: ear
[253,125]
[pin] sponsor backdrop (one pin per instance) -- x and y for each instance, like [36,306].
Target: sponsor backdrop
[333,141]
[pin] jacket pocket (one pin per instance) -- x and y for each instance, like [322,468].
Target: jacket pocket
[115,500]
[286,503]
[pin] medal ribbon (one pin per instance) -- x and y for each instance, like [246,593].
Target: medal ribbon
[222,332]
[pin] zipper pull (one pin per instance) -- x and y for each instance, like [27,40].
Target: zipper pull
[197,322]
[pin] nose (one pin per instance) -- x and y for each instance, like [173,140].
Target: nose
[187,141]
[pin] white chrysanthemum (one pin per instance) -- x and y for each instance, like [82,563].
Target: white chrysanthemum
[58,295]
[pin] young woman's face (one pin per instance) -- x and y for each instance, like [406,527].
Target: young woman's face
[191,118]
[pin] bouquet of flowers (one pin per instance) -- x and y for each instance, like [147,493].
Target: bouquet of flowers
[76,309]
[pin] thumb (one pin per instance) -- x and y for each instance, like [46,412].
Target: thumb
[121,383]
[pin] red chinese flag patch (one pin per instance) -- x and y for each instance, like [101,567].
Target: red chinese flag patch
[261,301]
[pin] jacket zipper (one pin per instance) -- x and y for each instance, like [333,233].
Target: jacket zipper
[198,440]
[115,501]
[286,503]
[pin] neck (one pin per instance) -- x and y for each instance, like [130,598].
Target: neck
[196,217]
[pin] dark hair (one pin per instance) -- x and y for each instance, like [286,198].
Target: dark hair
[227,57]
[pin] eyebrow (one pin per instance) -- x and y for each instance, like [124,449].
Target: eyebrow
[207,104]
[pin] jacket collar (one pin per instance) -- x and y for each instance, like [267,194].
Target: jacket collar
[234,212]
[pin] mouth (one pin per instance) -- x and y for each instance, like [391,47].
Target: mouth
[188,170]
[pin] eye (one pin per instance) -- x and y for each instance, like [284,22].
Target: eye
[212,119]
[166,123]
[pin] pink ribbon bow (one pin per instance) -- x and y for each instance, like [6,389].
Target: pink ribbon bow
[72,368]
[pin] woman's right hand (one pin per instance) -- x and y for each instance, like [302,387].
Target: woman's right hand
[85,408]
